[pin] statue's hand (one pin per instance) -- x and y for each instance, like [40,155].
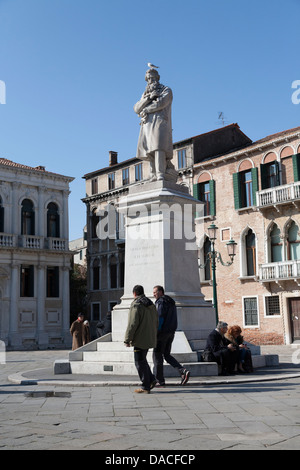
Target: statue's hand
[154,94]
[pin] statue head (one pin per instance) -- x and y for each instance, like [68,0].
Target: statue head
[152,75]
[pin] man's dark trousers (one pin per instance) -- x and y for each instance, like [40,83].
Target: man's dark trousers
[142,366]
[162,351]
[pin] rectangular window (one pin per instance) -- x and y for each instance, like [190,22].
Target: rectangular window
[125,176]
[245,186]
[204,196]
[181,156]
[205,192]
[269,175]
[95,312]
[95,186]
[272,305]
[27,281]
[53,281]
[139,172]
[250,311]
[111,181]
[96,278]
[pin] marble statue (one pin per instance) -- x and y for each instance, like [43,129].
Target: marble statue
[155,139]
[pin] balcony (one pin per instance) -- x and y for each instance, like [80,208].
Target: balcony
[7,239]
[273,197]
[280,271]
[33,242]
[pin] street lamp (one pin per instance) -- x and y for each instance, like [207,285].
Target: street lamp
[215,256]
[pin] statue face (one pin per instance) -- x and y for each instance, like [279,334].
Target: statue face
[151,76]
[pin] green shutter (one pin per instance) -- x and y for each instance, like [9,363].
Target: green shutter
[196,191]
[263,176]
[296,166]
[212,192]
[277,173]
[254,175]
[237,190]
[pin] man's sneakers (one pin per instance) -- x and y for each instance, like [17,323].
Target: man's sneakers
[141,390]
[185,375]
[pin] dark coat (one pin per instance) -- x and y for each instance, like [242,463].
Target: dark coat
[216,342]
[167,314]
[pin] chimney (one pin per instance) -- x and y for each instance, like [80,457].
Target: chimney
[113,158]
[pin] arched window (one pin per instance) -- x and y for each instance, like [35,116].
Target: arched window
[52,220]
[27,218]
[250,253]
[276,244]
[1,216]
[293,242]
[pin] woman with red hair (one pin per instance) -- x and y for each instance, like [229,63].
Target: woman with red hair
[234,336]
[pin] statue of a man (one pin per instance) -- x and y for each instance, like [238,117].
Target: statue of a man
[155,139]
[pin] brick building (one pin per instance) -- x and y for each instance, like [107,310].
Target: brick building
[253,196]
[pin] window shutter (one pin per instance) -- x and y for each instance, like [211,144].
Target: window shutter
[254,176]
[277,173]
[296,166]
[212,191]
[237,190]
[196,191]
[263,176]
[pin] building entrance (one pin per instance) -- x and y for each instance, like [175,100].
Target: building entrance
[295,317]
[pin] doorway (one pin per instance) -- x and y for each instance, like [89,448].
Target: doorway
[294,304]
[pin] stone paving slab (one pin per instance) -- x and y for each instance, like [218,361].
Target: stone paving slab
[262,414]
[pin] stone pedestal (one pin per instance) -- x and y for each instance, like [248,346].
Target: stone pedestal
[161,250]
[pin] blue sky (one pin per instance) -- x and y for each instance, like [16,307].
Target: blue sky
[73,70]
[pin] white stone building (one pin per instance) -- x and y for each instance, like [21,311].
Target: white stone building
[34,257]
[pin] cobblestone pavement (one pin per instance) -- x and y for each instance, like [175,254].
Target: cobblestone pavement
[235,415]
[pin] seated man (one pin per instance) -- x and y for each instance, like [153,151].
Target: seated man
[222,352]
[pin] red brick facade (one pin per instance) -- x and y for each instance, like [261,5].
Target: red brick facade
[243,290]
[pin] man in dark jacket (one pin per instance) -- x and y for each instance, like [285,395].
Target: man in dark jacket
[141,333]
[167,316]
[223,353]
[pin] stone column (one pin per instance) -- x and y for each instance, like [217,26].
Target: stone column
[65,305]
[13,337]
[42,336]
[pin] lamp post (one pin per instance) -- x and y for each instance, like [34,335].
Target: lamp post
[215,256]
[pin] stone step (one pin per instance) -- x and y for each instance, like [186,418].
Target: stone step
[128,369]
[127,355]
[197,344]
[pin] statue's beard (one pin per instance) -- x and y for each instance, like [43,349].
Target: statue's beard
[153,86]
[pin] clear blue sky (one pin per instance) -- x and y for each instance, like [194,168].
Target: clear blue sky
[73,70]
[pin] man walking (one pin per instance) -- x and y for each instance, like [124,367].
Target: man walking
[167,316]
[141,333]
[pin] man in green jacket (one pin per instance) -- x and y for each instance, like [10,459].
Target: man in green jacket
[141,333]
